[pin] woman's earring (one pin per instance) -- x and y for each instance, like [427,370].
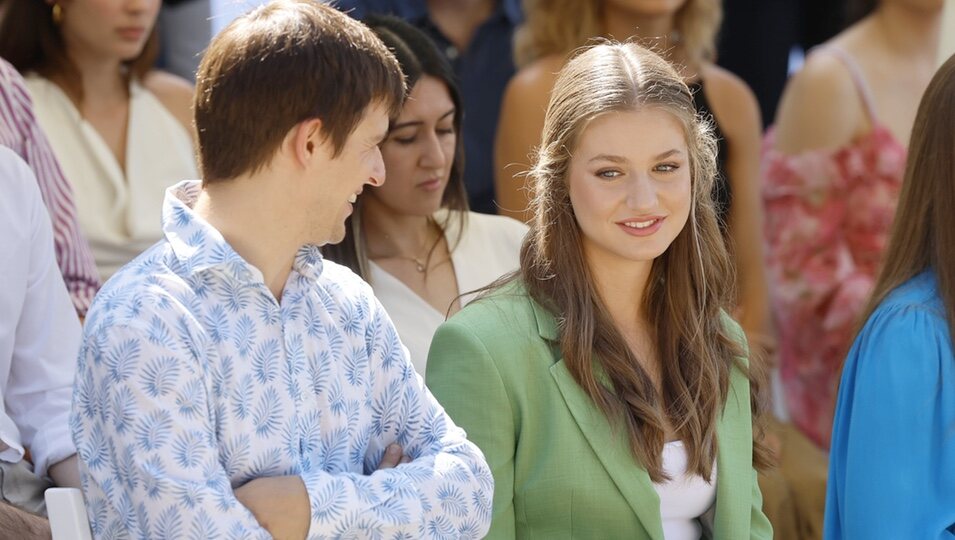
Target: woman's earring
[57,14]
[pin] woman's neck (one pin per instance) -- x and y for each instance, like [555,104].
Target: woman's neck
[392,234]
[102,78]
[908,31]
[621,24]
[621,285]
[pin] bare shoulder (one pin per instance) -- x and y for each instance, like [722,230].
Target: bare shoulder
[175,94]
[820,107]
[733,102]
[535,80]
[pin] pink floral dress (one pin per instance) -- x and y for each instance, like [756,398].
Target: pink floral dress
[828,217]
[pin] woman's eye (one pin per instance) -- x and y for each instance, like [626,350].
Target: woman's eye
[609,173]
[667,167]
[404,140]
[445,131]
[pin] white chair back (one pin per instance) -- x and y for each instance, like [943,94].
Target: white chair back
[67,513]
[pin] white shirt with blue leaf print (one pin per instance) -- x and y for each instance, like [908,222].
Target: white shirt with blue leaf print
[192,380]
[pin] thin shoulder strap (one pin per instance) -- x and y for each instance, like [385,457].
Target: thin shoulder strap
[857,77]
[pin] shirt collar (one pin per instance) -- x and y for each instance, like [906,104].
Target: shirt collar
[199,246]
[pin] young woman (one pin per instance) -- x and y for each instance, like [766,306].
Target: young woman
[892,461]
[605,383]
[685,31]
[120,130]
[413,238]
[833,168]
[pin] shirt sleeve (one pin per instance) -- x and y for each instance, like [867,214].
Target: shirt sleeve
[892,462]
[47,332]
[445,492]
[142,423]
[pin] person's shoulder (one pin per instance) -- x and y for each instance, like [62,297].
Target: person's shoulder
[497,226]
[500,314]
[732,100]
[21,194]
[820,107]
[536,79]
[917,298]
[343,286]
[148,287]
[174,93]
[906,340]
[16,177]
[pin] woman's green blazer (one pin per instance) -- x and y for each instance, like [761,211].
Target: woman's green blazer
[560,471]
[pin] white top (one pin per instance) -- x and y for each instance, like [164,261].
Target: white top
[118,210]
[39,331]
[685,497]
[488,249]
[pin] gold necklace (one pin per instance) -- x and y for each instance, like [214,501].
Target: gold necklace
[422,266]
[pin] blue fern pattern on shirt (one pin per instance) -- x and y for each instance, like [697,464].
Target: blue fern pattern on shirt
[192,380]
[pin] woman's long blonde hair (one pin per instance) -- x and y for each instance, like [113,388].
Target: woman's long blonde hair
[690,285]
[560,26]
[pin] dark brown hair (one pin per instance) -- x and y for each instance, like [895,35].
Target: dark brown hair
[283,63]
[418,57]
[923,232]
[31,41]
[690,285]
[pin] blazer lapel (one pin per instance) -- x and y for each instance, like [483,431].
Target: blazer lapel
[611,448]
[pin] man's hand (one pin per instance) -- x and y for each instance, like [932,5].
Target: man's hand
[280,504]
[393,457]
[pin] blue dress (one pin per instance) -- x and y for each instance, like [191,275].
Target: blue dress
[892,462]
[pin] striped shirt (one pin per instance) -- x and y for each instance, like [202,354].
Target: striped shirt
[20,132]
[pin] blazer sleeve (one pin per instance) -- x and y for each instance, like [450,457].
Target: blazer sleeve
[463,376]
[892,462]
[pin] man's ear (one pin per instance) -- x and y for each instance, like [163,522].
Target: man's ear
[307,141]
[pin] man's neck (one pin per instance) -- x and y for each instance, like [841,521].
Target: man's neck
[251,216]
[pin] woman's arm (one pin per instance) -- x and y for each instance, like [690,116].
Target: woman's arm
[820,108]
[892,460]
[737,113]
[176,95]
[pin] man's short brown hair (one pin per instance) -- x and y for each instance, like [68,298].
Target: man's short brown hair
[281,64]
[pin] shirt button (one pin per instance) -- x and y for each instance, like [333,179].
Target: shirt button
[451,52]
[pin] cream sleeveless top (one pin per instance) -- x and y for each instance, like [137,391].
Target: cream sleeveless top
[118,210]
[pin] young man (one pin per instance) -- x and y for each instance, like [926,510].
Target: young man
[232,384]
